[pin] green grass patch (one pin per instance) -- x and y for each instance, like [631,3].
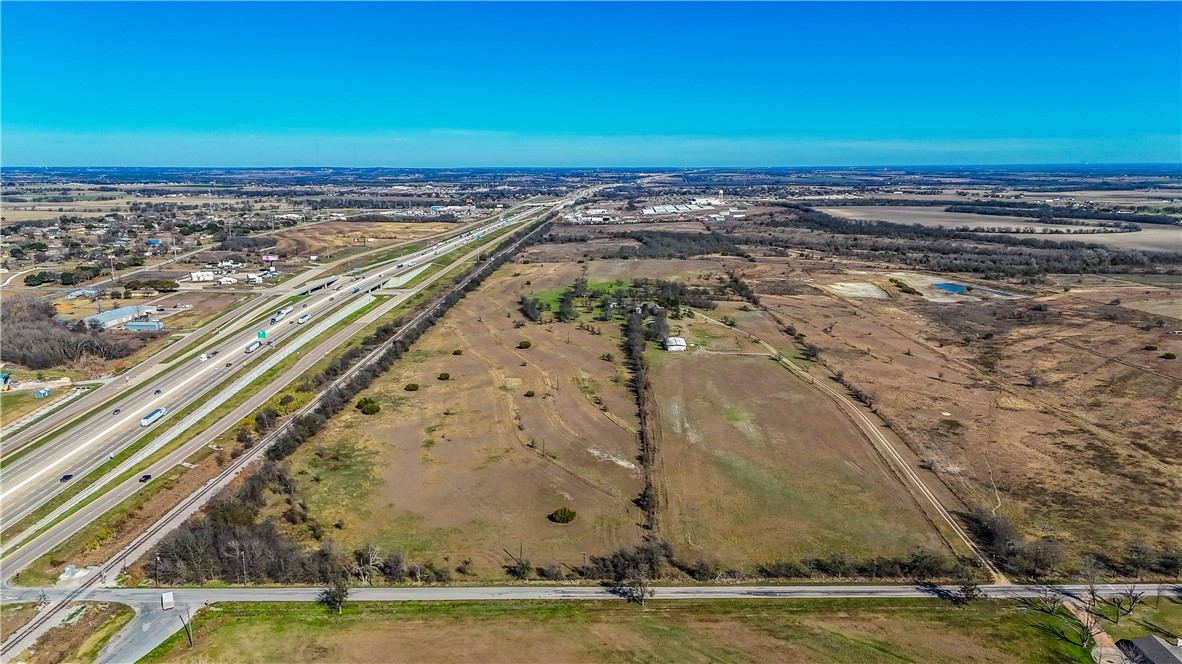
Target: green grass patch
[839,631]
[1164,613]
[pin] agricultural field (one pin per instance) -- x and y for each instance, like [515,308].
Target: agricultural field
[840,631]
[1151,237]
[330,237]
[1042,406]
[755,465]
[464,468]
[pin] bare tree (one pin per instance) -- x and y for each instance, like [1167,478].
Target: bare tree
[641,586]
[1083,627]
[1091,573]
[1124,602]
[366,563]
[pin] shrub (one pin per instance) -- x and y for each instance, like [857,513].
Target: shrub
[1168,356]
[457,352]
[368,406]
[523,344]
[529,393]
[562,515]
[444,376]
[1149,348]
[411,387]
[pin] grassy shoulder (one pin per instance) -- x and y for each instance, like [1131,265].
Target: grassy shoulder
[15,405]
[861,631]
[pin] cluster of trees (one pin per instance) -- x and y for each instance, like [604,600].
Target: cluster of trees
[666,244]
[228,538]
[1041,558]
[920,565]
[741,288]
[1033,230]
[669,294]
[635,334]
[1061,214]
[247,243]
[866,398]
[68,278]
[532,307]
[162,285]
[33,338]
[1002,542]
[937,248]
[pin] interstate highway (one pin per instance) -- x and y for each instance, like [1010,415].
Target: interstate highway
[15,440]
[33,479]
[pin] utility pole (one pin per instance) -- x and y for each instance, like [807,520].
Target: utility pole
[157,570]
[242,554]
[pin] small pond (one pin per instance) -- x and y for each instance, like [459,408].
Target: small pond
[961,288]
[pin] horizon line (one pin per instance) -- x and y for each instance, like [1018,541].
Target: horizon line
[627,168]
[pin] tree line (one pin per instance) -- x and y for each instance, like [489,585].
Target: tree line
[942,249]
[667,244]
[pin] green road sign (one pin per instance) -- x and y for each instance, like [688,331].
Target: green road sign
[262,334]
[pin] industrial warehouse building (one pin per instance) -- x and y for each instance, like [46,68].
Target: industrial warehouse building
[115,317]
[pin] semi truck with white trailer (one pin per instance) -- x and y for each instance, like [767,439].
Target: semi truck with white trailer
[153,416]
[302,319]
[253,346]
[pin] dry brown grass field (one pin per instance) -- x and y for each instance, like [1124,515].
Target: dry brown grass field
[755,465]
[463,468]
[332,236]
[1059,418]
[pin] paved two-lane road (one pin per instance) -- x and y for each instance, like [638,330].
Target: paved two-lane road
[152,625]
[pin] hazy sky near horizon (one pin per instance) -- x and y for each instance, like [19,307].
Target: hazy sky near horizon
[598,84]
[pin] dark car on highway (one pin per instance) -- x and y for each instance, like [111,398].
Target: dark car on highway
[229,364]
[66,478]
[117,411]
[145,478]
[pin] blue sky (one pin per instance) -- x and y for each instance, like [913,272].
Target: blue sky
[600,84]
